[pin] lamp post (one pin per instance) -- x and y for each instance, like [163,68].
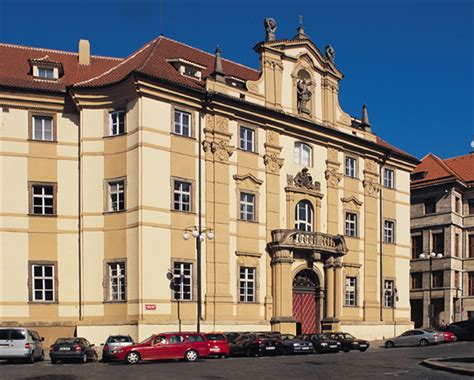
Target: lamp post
[430,257]
[198,234]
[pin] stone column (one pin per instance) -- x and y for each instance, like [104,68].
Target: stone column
[282,292]
[329,277]
[338,286]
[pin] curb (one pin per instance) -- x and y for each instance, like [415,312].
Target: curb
[435,363]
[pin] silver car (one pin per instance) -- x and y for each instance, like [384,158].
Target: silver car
[417,337]
[113,342]
[20,343]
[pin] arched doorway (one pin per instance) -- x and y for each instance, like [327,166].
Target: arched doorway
[306,302]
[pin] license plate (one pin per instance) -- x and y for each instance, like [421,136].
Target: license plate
[332,346]
[363,345]
[305,348]
[269,348]
[215,349]
[64,349]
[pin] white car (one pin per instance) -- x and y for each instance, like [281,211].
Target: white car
[20,343]
[417,337]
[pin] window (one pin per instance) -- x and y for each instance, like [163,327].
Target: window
[389,232]
[437,277]
[42,201]
[471,206]
[42,128]
[351,224]
[182,196]
[191,72]
[388,293]
[247,206]
[42,281]
[351,289]
[457,205]
[303,154]
[416,280]
[247,139]
[46,72]
[117,123]
[117,281]
[438,242]
[304,216]
[456,245]
[471,284]
[388,178]
[182,123]
[416,246]
[116,191]
[471,245]
[430,206]
[247,284]
[351,169]
[183,281]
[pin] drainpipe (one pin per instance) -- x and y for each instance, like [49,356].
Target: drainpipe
[79,215]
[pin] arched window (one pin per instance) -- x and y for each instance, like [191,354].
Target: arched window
[304,216]
[303,154]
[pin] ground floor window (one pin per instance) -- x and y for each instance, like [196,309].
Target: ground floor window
[388,293]
[351,289]
[43,283]
[183,281]
[247,284]
[117,281]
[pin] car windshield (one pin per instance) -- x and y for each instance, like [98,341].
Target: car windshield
[429,330]
[67,341]
[321,336]
[287,337]
[349,336]
[215,337]
[119,339]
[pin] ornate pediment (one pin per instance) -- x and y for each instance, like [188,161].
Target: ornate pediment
[247,181]
[303,180]
[352,202]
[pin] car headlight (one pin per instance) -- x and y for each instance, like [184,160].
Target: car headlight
[296,344]
[117,351]
[324,344]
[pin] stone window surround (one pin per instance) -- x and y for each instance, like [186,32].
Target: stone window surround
[193,278]
[30,281]
[356,290]
[394,182]
[117,111]
[394,288]
[255,282]
[108,119]
[31,115]
[249,260]
[357,221]
[107,194]
[173,179]
[106,282]
[394,235]
[255,137]
[191,111]
[311,153]
[30,197]
[356,163]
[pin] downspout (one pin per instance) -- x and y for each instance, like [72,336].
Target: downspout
[79,213]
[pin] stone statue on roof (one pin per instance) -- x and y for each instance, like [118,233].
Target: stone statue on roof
[270,28]
[330,53]
[304,95]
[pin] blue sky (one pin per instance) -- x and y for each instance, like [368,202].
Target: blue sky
[411,61]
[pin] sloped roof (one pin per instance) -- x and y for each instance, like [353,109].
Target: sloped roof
[385,144]
[457,168]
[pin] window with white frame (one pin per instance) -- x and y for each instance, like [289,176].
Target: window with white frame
[183,281]
[117,281]
[303,154]
[351,224]
[247,139]
[304,216]
[351,289]
[247,284]
[389,231]
[182,123]
[182,196]
[116,194]
[117,123]
[247,206]
[351,167]
[388,178]
[388,293]
[46,72]
[43,199]
[42,282]
[42,128]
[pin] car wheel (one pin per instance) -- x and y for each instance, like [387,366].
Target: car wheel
[104,359]
[346,349]
[41,359]
[54,361]
[363,349]
[95,358]
[31,359]
[191,356]
[84,359]
[286,350]
[132,358]
[389,344]
[423,342]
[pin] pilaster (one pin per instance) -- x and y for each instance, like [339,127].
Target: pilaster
[333,177]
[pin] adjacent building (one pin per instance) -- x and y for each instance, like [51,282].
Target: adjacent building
[111,168]
[442,227]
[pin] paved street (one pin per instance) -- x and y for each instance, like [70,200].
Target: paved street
[375,363]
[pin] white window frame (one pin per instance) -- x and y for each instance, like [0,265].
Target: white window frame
[118,281]
[247,206]
[247,139]
[117,127]
[388,287]
[182,276]
[43,278]
[305,223]
[351,291]
[116,188]
[179,126]
[300,150]
[247,284]
[351,224]
[180,204]
[43,129]
[351,167]
[46,70]
[389,178]
[389,231]
[42,196]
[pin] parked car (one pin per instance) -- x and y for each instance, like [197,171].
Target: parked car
[68,349]
[256,344]
[416,337]
[231,336]
[295,345]
[448,336]
[114,342]
[218,345]
[464,330]
[322,343]
[20,343]
[349,342]
[189,346]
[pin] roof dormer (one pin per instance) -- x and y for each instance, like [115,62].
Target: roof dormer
[187,68]
[45,69]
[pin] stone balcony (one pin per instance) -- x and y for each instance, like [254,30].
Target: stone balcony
[316,241]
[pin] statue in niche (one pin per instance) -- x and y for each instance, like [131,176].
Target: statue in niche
[270,28]
[303,90]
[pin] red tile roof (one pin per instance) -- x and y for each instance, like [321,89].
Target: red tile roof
[389,146]
[457,168]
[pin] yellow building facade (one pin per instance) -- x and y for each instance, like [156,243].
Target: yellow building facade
[107,162]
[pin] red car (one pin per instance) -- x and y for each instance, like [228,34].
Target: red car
[218,345]
[449,336]
[189,346]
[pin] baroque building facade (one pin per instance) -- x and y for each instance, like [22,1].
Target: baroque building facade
[108,163]
[442,225]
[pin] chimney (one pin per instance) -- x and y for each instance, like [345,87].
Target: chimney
[84,52]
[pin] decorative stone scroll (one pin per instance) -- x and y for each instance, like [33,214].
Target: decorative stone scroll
[303,180]
[220,149]
[371,186]
[333,177]
[273,163]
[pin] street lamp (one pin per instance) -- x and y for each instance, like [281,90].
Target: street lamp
[431,256]
[199,234]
